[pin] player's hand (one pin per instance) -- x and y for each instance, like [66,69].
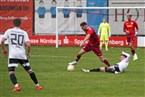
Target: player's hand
[82,43]
[4,52]
[127,32]
[28,55]
[135,33]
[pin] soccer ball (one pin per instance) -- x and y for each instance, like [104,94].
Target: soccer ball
[70,68]
[116,72]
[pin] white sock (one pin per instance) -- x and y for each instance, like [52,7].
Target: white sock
[37,85]
[16,85]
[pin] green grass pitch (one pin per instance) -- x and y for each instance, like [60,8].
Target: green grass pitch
[50,65]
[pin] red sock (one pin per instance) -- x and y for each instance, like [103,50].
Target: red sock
[133,52]
[106,62]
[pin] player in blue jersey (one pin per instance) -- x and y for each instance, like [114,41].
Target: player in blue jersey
[65,11]
[53,9]
[41,9]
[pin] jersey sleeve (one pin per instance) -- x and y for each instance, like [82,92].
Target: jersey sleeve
[6,36]
[26,38]
[136,25]
[90,31]
[127,56]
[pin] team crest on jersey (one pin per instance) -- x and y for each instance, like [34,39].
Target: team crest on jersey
[132,23]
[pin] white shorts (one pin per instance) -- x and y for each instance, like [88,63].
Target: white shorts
[15,62]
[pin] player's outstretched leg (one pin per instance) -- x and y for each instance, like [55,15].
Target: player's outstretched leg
[81,52]
[13,79]
[33,77]
[100,69]
[92,70]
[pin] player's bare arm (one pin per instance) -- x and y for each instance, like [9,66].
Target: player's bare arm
[4,51]
[136,28]
[28,46]
[86,39]
[124,29]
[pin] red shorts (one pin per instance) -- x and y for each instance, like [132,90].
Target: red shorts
[130,39]
[95,48]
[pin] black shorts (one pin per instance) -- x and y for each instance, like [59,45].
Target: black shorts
[41,16]
[115,67]
[14,62]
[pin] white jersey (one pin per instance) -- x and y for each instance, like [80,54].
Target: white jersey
[124,63]
[16,38]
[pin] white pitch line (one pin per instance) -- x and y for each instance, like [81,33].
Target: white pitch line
[44,56]
[70,57]
[50,56]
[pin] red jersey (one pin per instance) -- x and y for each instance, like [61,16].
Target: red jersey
[130,26]
[93,40]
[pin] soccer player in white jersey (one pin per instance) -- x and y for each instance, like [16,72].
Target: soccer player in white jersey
[117,68]
[18,39]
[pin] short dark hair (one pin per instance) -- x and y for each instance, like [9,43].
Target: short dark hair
[129,14]
[54,1]
[17,22]
[83,24]
[124,55]
[41,1]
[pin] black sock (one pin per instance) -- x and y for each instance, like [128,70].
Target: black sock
[33,77]
[106,62]
[78,57]
[95,70]
[133,52]
[13,78]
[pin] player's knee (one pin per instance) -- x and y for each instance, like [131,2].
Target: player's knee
[130,45]
[30,71]
[11,70]
[102,69]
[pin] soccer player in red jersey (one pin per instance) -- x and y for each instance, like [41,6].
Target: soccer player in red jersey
[131,29]
[92,45]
